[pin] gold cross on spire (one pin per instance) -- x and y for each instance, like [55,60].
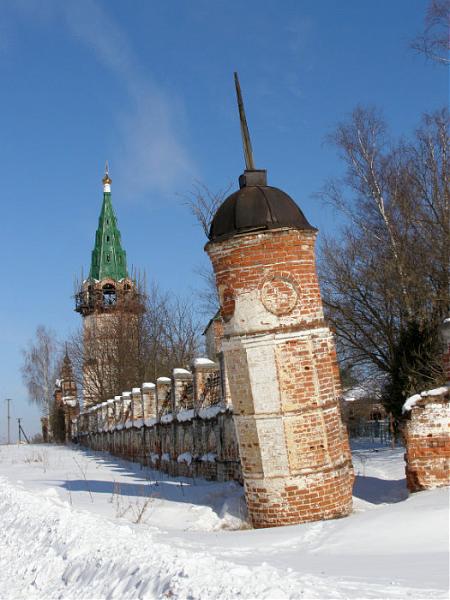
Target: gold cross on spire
[106,179]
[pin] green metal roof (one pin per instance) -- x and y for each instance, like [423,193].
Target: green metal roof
[108,257]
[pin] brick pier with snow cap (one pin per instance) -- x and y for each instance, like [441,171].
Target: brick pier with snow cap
[427,439]
[280,356]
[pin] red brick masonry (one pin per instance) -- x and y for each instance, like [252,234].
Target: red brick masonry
[428,442]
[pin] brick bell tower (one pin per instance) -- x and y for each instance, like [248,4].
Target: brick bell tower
[105,296]
[279,353]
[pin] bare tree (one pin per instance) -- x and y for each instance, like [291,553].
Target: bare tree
[434,41]
[171,333]
[181,334]
[386,277]
[208,294]
[428,162]
[203,205]
[39,367]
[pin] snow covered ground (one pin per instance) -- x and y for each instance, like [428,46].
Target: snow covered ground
[84,525]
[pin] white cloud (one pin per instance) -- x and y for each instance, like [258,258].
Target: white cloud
[93,26]
[154,156]
[150,129]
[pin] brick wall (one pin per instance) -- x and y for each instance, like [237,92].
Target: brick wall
[200,447]
[427,440]
[181,425]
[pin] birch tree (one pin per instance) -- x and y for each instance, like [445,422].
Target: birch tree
[433,42]
[39,368]
[385,275]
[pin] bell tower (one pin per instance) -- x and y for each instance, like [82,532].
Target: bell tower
[109,301]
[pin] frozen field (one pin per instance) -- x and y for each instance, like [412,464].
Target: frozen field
[83,525]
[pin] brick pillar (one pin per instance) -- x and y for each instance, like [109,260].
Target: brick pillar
[427,440]
[102,416]
[90,420]
[75,426]
[81,423]
[282,370]
[136,403]
[117,409]
[85,422]
[110,418]
[95,419]
[98,417]
[181,378]
[126,406]
[163,387]
[445,336]
[149,400]
[201,369]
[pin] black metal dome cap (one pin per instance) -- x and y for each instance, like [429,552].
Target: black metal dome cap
[256,206]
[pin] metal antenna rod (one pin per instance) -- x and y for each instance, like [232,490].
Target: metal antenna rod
[248,152]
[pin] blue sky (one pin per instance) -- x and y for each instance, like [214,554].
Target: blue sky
[148,86]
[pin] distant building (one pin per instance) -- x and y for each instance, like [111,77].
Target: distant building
[362,410]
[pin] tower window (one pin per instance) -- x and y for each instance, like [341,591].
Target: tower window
[109,295]
[107,238]
[108,258]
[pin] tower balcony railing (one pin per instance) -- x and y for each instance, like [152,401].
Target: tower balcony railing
[87,301]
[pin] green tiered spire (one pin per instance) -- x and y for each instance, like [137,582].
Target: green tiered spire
[108,257]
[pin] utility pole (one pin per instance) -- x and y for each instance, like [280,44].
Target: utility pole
[8,400]
[22,432]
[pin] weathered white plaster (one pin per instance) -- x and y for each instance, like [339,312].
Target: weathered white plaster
[263,379]
[272,447]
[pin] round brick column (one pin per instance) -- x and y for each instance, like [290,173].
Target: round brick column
[281,364]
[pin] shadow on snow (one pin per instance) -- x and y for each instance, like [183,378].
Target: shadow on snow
[205,493]
[219,496]
[380,491]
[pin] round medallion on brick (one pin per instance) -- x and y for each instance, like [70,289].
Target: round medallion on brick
[279,295]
